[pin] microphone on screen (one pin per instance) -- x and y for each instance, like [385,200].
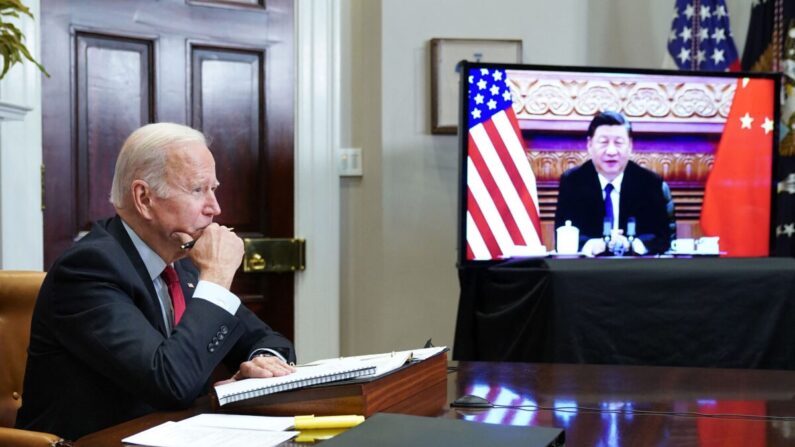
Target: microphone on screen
[607,230]
[631,228]
[631,233]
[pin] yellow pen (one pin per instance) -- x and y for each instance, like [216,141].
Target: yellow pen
[311,422]
[318,435]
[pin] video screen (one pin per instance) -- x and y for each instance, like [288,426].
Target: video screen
[587,162]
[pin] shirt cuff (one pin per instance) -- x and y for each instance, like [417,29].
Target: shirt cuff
[266,352]
[218,295]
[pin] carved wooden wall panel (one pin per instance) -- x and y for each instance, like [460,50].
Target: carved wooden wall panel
[578,96]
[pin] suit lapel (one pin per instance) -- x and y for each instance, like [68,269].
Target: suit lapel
[595,201]
[150,307]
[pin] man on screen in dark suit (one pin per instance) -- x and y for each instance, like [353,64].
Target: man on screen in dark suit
[609,189]
[128,321]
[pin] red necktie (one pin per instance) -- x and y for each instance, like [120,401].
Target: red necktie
[169,275]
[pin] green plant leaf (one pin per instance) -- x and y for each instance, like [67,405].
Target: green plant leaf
[6,66]
[14,6]
[12,47]
[27,55]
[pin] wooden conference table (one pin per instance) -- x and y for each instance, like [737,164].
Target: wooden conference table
[609,405]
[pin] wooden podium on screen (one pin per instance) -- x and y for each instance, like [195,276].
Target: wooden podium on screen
[418,388]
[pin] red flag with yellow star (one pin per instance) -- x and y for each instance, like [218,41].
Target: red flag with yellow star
[737,193]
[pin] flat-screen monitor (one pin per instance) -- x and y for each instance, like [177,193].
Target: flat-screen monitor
[688,156]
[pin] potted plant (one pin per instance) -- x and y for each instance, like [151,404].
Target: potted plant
[12,47]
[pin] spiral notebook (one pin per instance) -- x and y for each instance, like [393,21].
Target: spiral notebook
[328,371]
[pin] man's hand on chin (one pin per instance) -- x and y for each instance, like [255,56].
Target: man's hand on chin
[180,239]
[260,367]
[217,254]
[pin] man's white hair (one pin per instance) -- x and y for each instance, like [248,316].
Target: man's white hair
[143,156]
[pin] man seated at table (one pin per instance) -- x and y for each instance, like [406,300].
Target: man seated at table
[611,188]
[128,321]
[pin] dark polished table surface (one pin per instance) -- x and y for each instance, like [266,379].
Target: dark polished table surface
[603,405]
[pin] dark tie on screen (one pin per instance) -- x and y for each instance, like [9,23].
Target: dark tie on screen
[608,203]
[171,278]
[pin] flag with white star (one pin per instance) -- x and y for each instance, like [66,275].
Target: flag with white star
[736,199]
[701,38]
[502,200]
[771,47]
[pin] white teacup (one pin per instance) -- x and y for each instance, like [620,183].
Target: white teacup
[708,245]
[684,245]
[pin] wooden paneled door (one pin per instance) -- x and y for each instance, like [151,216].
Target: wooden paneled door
[225,67]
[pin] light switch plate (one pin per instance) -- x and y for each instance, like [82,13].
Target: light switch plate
[349,163]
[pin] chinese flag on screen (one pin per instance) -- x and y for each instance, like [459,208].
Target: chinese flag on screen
[737,193]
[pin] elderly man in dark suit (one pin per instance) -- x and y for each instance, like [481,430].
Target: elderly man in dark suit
[610,190]
[128,321]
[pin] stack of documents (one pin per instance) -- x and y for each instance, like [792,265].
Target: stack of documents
[230,430]
[217,430]
[320,372]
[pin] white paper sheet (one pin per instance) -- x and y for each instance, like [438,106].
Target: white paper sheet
[173,434]
[270,423]
[424,353]
[417,354]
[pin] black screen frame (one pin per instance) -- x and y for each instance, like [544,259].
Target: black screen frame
[463,131]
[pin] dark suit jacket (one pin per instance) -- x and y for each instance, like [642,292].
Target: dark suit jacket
[580,201]
[99,353]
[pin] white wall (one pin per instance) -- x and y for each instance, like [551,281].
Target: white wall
[399,282]
[21,246]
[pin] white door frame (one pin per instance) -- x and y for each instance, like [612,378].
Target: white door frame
[317,184]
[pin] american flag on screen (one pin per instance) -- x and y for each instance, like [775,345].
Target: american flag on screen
[502,201]
[700,37]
